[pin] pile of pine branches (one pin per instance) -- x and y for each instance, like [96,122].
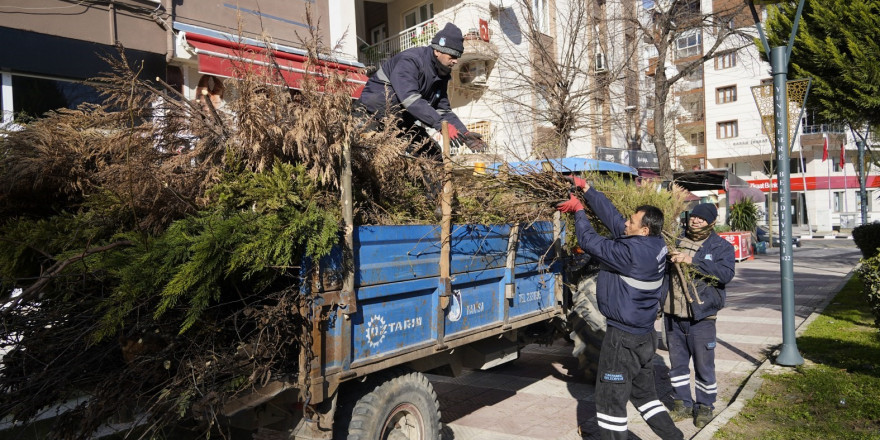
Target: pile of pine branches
[152,246]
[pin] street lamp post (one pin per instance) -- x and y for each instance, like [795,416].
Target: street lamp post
[779,59]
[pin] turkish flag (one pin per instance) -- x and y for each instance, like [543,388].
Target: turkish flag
[825,149]
[842,158]
[484,30]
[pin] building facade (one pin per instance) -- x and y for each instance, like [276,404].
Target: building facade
[60,45]
[716,124]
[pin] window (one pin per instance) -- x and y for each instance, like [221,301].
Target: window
[484,128]
[688,45]
[378,34]
[698,138]
[693,80]
[418,15]
[795,165]
[27,97]
[838,201]
[541,12]
[728,129]
[473,72]
[725,61]
[725,23]
[835,162]
[723,95]
[859,200]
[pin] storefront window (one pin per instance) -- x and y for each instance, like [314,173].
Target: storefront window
[33,97]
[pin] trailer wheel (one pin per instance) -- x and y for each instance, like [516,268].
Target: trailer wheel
[587,326]
[401,405]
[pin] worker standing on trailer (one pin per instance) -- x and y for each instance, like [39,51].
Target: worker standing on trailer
[412,84]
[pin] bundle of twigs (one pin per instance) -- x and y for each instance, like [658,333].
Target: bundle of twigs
[531,193]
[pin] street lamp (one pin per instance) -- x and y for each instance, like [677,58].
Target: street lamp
[779,58]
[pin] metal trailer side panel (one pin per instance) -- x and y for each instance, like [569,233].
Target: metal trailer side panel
[397,290]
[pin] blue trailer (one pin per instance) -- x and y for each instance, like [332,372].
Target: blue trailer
[417,303]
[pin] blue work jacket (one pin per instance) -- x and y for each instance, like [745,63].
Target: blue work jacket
[626,261]
[412,82]
[715,261]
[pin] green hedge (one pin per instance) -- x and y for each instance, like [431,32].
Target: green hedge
[869,271]
[867,238]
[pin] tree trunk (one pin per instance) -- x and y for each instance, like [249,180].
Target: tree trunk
[661,92]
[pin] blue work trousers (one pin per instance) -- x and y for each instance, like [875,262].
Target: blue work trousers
[689,339]
[626,373]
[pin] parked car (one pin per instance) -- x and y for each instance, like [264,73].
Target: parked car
[764,236]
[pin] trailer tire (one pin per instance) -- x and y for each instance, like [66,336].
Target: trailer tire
[587,326]
[400,405]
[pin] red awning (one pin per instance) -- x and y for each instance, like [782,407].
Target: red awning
[231,59]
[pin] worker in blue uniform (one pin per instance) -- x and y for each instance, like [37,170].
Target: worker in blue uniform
[630,284]
[690,316]
[412,84]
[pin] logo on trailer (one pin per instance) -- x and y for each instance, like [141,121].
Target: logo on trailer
[376,331]
[455,306]
[377,328]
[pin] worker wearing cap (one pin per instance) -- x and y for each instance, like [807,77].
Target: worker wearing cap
[413,83]
[690,316]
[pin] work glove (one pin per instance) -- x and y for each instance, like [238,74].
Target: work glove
[577,181]
[455,137]
[453,132]
[572,205]
[474,141]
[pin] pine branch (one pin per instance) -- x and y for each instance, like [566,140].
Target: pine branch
[53,271]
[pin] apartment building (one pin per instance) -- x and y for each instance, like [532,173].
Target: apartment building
[716,124]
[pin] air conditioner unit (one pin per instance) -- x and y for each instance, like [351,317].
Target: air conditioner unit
[600,62]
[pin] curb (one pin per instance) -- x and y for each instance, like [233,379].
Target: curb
[756,379]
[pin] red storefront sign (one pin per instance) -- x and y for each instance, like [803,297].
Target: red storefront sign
[819,182]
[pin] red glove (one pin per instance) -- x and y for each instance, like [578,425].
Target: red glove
[572,205]
[453,132]
[577,181]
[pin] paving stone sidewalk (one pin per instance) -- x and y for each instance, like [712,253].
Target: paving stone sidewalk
[541,396]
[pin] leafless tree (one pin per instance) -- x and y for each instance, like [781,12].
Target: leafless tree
[726,28]
[550,71]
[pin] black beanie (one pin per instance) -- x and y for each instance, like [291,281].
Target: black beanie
[449,41]
[705,211]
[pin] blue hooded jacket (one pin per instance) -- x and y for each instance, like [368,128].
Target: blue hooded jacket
[627,262]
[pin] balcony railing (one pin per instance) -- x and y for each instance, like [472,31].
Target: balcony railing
[418,35]
[466,16]
[824,128]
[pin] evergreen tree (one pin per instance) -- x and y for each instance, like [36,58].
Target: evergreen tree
[838,46]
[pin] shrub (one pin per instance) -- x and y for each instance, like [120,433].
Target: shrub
[869,271]
[867,238]
[743,216]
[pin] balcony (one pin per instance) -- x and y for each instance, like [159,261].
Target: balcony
[416,36]
[466,16]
